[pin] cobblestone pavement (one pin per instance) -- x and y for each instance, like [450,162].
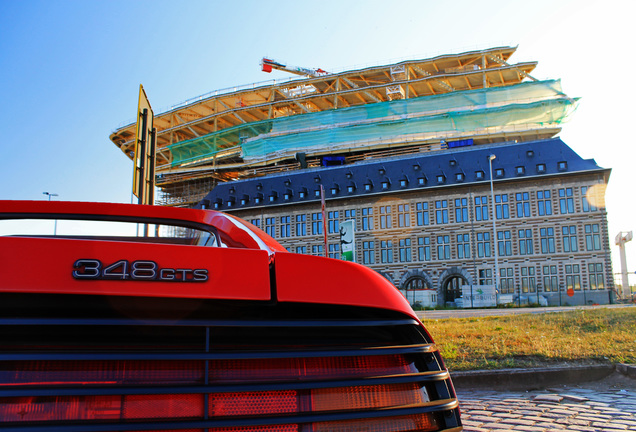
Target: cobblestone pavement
[608,406]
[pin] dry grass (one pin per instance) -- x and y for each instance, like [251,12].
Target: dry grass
[532,340]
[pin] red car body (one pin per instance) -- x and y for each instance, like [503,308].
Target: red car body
[147,332]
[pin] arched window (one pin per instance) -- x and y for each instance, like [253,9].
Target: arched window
[416,283]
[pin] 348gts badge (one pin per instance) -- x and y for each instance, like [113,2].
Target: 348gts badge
[93,269]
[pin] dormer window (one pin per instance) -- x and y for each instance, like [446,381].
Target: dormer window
[385,184]
[563,166]
[459,177]
[521,170]
[441,179]
[404,183]
[368,186]
[499,172]
[421,181]
[479,175]
[540,168]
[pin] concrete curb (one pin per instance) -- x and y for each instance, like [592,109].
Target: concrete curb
[629,370]
[532,379]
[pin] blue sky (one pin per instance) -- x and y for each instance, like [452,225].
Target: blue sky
[70,72]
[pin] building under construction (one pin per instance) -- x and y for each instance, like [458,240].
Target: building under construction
[321,118]
[448,168]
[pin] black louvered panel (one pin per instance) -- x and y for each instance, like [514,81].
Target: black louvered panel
[286,369]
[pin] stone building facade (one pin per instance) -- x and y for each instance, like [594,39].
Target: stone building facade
[425,221]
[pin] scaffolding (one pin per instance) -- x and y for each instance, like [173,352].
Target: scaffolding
[357,114]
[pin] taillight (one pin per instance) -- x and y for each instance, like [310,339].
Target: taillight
[297,387]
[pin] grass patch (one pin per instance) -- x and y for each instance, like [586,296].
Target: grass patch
[535,340]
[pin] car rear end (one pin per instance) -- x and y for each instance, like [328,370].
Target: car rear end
[257,340]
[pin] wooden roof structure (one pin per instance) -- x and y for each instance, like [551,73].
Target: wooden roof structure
[408,79]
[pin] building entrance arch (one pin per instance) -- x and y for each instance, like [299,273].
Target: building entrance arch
[451,282]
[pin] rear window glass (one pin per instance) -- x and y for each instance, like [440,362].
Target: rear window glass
[107,230]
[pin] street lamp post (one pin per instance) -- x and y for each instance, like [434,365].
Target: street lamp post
[55,224]
[494,227]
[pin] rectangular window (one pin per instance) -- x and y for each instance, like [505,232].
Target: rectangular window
[550,279]
[572,277]
[592,237]
[404,215]
[569,238]
[385,217]
[485,277]
[481,208]
[461,210]
[332,218]
[544,203]
[405,250]
[386,251]
[443,247]
[596,276]
[285,226]
[301,225]
[566,200]
[422,213]
[441,212]
[547,240]
[525,242]
[270,227]
[334,251]
[367,219]
[463,246]
[523,204]
[585,203]
[506,281]
[502,208]
[424,248]
[350,214]
[504,243]
[256,222]
[483,244]
[316,250]
[316,223]
[528,282]
[368,252]
[301,249]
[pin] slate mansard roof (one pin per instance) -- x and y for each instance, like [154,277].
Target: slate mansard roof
[440,169]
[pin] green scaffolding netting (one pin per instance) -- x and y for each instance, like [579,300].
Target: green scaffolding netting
[532,105]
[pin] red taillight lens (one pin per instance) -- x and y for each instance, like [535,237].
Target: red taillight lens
[231,404]
[259,370]
[254,403]
[415,423]
[65,408]
[124,372]
[367,397]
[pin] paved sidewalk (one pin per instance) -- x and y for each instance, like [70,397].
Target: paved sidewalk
[608,405]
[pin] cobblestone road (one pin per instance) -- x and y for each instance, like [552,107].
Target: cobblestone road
[587,407]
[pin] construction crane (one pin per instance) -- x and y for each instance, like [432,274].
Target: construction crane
[267,65]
